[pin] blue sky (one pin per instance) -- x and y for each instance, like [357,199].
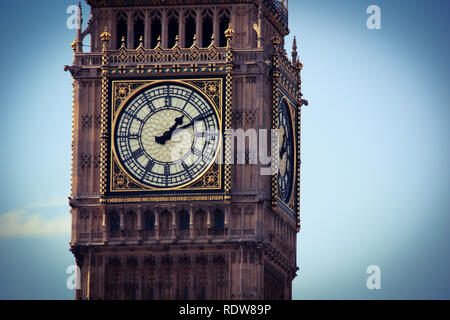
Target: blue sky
[375,187]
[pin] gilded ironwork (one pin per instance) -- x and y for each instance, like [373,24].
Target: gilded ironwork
[123,90]
[229,33]
[276,41]
[105,37]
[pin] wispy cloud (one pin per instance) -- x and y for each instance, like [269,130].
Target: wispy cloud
[21,223]
[57,202]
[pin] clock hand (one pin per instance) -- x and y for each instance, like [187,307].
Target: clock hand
[168,135]
[197,119]
[284,147]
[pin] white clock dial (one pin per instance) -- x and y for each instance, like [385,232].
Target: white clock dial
[167,135]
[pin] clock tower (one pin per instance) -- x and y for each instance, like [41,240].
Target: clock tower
[163,204]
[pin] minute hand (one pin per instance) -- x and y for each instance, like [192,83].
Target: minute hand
[284,147]
[200,118]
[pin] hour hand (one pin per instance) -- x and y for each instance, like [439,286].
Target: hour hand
[168,135]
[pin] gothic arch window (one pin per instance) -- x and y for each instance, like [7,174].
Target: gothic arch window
[201,277]
[121,28]
[190,25]
[236,217]
[183,278]
[87,43]
[131,223]
[220,278]
[84,222]
[165,222]
[150,281]
[224,22]
[200,223]
[184,220]
[166,279]
[114,222]
[96,223]
[173,28]
[139,28]
[131,280]
[156,28]
[248,219]
[149,221]
[207,28]
[112,278]
[219,221]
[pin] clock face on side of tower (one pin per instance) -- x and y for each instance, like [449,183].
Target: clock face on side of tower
[166,136]
[286,143]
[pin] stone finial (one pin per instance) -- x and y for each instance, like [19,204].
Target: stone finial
[123,42]
[158,41]
[294,51]
[74,46]
[105,36]
[229,33]
[276,41]
[141,41]
[80,16]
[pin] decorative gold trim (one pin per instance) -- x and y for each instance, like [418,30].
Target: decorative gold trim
[229,34]
[291,203]
[299,67]
[276,41]
[104,117]
[74,84]
[159,199]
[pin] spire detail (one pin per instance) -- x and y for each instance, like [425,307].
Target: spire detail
[294,51]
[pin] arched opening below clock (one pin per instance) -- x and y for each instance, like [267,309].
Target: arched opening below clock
[173,31]
[149,222]
[87,44]
[219,222]
[121,32]
[184,220]
[191,27]
[139,32]
[155,32]
[207,31]
[224,23]
[114,223]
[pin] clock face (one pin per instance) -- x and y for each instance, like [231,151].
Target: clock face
[286,143]
[167,136]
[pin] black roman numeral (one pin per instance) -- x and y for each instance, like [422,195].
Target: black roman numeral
[186,168]
[197,152]
[138,153]
[188,100]
[129,136]
[167,170]
[149,166]
[134,117]
[149,103]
